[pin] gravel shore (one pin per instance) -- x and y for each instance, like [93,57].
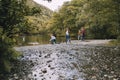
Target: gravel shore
[59,61]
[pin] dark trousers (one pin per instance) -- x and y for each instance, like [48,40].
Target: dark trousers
[53,41]
[82,36]
[68,38]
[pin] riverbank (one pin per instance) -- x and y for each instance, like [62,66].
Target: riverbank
[78,42]
[56,62]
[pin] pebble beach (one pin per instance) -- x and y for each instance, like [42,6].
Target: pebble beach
[56,62]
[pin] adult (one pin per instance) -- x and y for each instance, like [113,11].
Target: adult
[68,36]
[82,33]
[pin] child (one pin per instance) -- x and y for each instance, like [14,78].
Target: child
[53,39]
[67,36]
[79,34]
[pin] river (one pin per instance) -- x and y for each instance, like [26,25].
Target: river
[32,39]
[38,39]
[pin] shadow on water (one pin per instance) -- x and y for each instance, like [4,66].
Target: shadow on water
[97,63]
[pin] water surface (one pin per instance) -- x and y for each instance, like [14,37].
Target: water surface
[40,39]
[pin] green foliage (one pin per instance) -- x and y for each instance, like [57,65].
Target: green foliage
[15,20]
[37,17]
[105,18]
[35,10]
[99,17]
[12,14]
[7,55]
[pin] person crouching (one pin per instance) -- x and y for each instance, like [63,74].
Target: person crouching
[52,39]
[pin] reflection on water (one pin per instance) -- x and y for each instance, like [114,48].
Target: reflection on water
[25,40]
[40,39]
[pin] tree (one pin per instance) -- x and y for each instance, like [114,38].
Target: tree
[12,14]
[100,17]
[104,19]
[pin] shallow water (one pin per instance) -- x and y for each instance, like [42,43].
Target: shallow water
[67,62]
[39,39]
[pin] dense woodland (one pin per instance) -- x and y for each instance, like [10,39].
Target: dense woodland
[18,17]
[101,18]
[11,16]
[37,17]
